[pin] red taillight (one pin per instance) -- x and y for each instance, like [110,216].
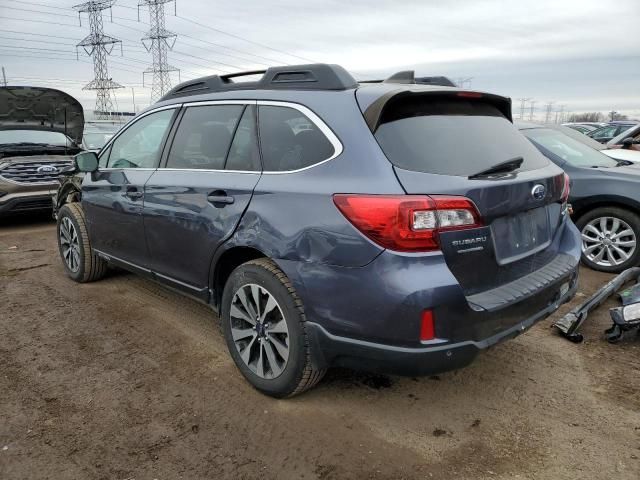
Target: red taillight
[427,330]
[407,223]
[566,189]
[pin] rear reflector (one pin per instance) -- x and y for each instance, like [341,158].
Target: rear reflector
[407,223]
[427,330]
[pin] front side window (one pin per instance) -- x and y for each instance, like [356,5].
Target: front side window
[139,145]
[203,137]
[605,132]
[289,140]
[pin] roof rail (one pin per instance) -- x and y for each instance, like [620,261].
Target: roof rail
[407,77]
[315,76]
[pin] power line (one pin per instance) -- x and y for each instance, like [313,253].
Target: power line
[243,39]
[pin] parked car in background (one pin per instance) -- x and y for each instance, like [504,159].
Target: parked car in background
[585,127]
[615,153]
[605,196]
[627,140]
[611,130]
[40,130]
[331,222]
[98,132]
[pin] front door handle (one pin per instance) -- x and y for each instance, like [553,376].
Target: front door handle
[220,198]
[134,194]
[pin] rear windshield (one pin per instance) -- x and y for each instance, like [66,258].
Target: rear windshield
[451,137]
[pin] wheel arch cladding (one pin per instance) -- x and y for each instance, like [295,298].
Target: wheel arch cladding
[227,262]
[586,205]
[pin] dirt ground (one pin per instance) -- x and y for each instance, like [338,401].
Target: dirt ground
[122,379]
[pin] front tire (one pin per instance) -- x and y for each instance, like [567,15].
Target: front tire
[610,239]
[79,261]
[264,326]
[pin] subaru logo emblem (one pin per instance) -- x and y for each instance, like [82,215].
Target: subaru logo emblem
[538,192]
[47,169]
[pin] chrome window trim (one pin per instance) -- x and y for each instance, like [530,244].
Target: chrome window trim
[126,127]
[315,119]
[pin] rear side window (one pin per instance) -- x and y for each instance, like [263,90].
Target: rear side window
[203,137]
[450,136]
[243,154]
[289,140]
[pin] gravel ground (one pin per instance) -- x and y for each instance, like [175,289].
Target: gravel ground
[123,379]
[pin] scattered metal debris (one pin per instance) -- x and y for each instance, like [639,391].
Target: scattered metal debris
[571,322]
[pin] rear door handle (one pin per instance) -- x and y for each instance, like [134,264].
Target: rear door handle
[220,197]
[134,194]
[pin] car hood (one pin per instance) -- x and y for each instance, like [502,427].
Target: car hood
[38,108]
[622,154]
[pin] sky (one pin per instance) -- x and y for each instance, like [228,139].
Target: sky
[582,55]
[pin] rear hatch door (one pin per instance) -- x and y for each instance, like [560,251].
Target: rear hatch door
[438,143]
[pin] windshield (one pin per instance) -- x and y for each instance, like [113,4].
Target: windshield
[573,152]
[34,136]
[94,141]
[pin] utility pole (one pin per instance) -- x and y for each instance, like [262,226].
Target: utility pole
[549,107]
[531,109]
[612,115]
[99,46]
[133,97]
[523,102]
[158,41]
[4,77]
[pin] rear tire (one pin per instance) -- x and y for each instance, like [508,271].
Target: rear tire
[610,238]
[273,354]
[79,261]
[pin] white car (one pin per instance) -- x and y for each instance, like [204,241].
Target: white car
[615,153]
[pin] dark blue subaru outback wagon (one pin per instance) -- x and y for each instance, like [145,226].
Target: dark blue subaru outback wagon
[388,226]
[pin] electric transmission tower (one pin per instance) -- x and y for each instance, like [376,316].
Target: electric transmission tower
[531,109]
[463,82]
[99,46]
[158,41]
[547,116]
[523,103]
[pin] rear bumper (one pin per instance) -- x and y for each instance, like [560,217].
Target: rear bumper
[369,317]
[333,350]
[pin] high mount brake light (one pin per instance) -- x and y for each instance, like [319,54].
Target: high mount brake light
[469,94]
[408,223]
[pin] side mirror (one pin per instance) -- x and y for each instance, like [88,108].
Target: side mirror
[86,162]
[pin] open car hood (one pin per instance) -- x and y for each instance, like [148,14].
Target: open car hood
[38,108]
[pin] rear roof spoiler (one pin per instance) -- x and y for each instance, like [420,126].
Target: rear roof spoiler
[373,113]
[408,77]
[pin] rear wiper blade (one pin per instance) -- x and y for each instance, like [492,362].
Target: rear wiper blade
[624,163]
[502,167]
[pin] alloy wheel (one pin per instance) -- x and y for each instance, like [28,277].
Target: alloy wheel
[608,241]
[69,244]
[259,331]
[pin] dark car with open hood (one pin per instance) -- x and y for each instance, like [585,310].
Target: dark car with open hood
[40,130]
